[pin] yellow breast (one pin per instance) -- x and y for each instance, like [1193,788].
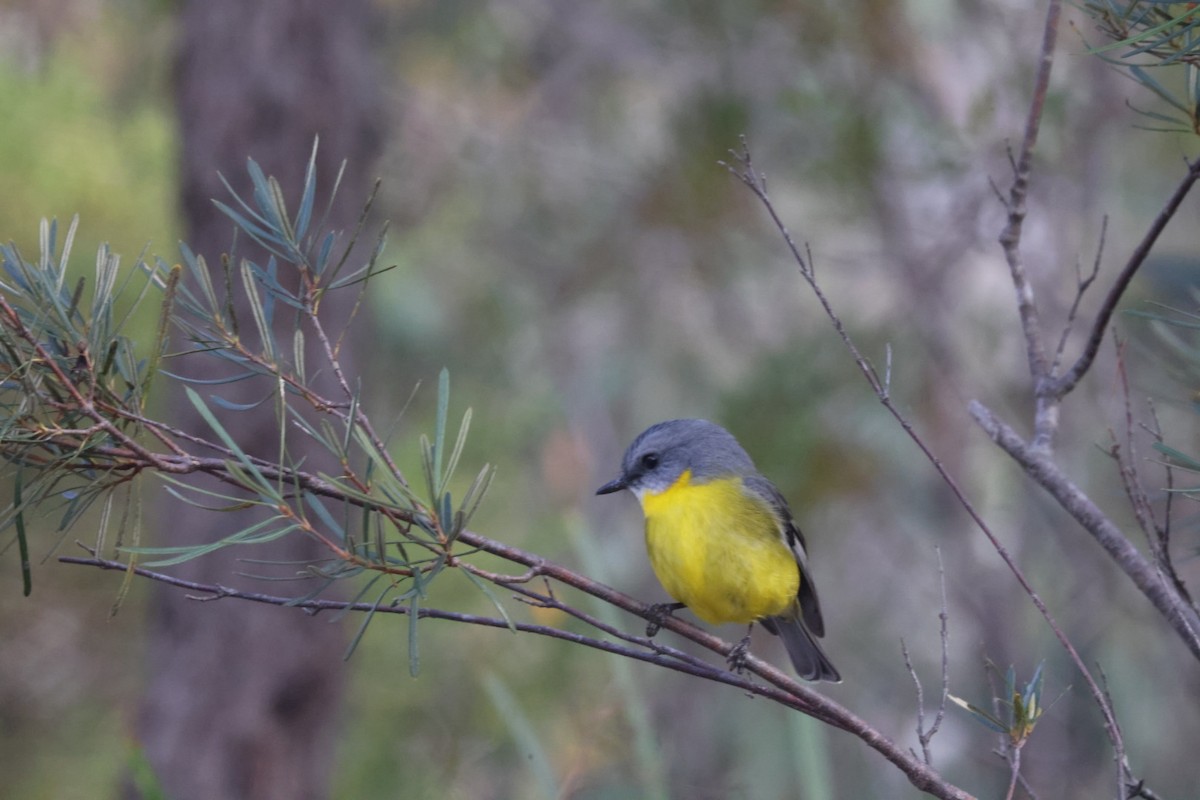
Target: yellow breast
[718,549]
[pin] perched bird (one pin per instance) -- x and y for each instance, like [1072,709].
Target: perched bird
[721,538]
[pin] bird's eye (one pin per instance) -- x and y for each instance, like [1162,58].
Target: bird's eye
[650,460]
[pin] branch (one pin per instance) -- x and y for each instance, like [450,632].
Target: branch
[757,184]
[925,735]
[1038,465]
[1010,236]
[1060,386]
[780,688]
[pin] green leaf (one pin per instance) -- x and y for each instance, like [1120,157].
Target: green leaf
[456,453]
[224,436]
[439,434]
[491,596]
[1179,458]
[304,215]
[474,495]
[1147,33]
[314,502]
[22,541]
[262,317]
[983,717]
[367,617]
[414,652]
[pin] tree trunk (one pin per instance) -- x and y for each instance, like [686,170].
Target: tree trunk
[242,701]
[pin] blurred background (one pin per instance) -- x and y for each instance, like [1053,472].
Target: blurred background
[568,246]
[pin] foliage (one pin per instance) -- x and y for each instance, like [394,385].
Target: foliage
[1147,36]
[538,281]
[75,406]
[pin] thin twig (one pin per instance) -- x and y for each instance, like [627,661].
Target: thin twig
[944,635]
[1127,462]
[1163,532]
[1013,755]
[1082,284]
[925,736]
[912,673]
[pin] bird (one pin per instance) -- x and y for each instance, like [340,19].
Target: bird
[722,540]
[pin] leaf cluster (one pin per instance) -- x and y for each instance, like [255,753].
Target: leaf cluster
[1147,36]
[74,424]
[1021,707]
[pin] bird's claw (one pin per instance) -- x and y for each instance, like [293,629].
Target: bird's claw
[737,656]
[658,615]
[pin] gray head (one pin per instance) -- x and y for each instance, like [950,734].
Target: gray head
[661,453]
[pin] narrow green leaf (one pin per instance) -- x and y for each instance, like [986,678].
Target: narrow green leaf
[428,467]
[298,355]
[351,421]
[232,406]
[22,541]
[198,403]
[257,232]
[304,214]
[439,434]
[474,495]
[491,596]
[314,502]
[1033,689]
[367,617]
[102,523]
[256,175]
[162,332]
[983,717]
[446,515]
[107,268]
[1180,458]
[456,453]
[278,208]
[340,614]
[1148,32]
[68,244]
[414,652]
[257,308]
[1143,77]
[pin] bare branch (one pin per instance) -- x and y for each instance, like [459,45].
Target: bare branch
[1163,531]
[912,673]
[1082,284]
[1015,203]
[1062,385]
[753,180]
[1042,469]
[925,736]
[779,687]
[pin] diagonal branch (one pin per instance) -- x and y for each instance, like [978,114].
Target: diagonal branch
[754,181]
[1063,384]
[1046,473]
[779,687]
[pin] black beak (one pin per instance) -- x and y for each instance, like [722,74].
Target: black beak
[613,486]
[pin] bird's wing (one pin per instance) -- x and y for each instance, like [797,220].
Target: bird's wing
[810,605]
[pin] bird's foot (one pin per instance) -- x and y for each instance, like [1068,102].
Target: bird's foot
[737,656]
[658,614]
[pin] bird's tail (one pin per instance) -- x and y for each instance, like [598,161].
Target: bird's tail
[808,658]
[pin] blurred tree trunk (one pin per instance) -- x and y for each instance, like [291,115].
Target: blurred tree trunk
[242,701]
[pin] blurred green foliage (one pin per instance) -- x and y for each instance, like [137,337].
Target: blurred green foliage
[568,246]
